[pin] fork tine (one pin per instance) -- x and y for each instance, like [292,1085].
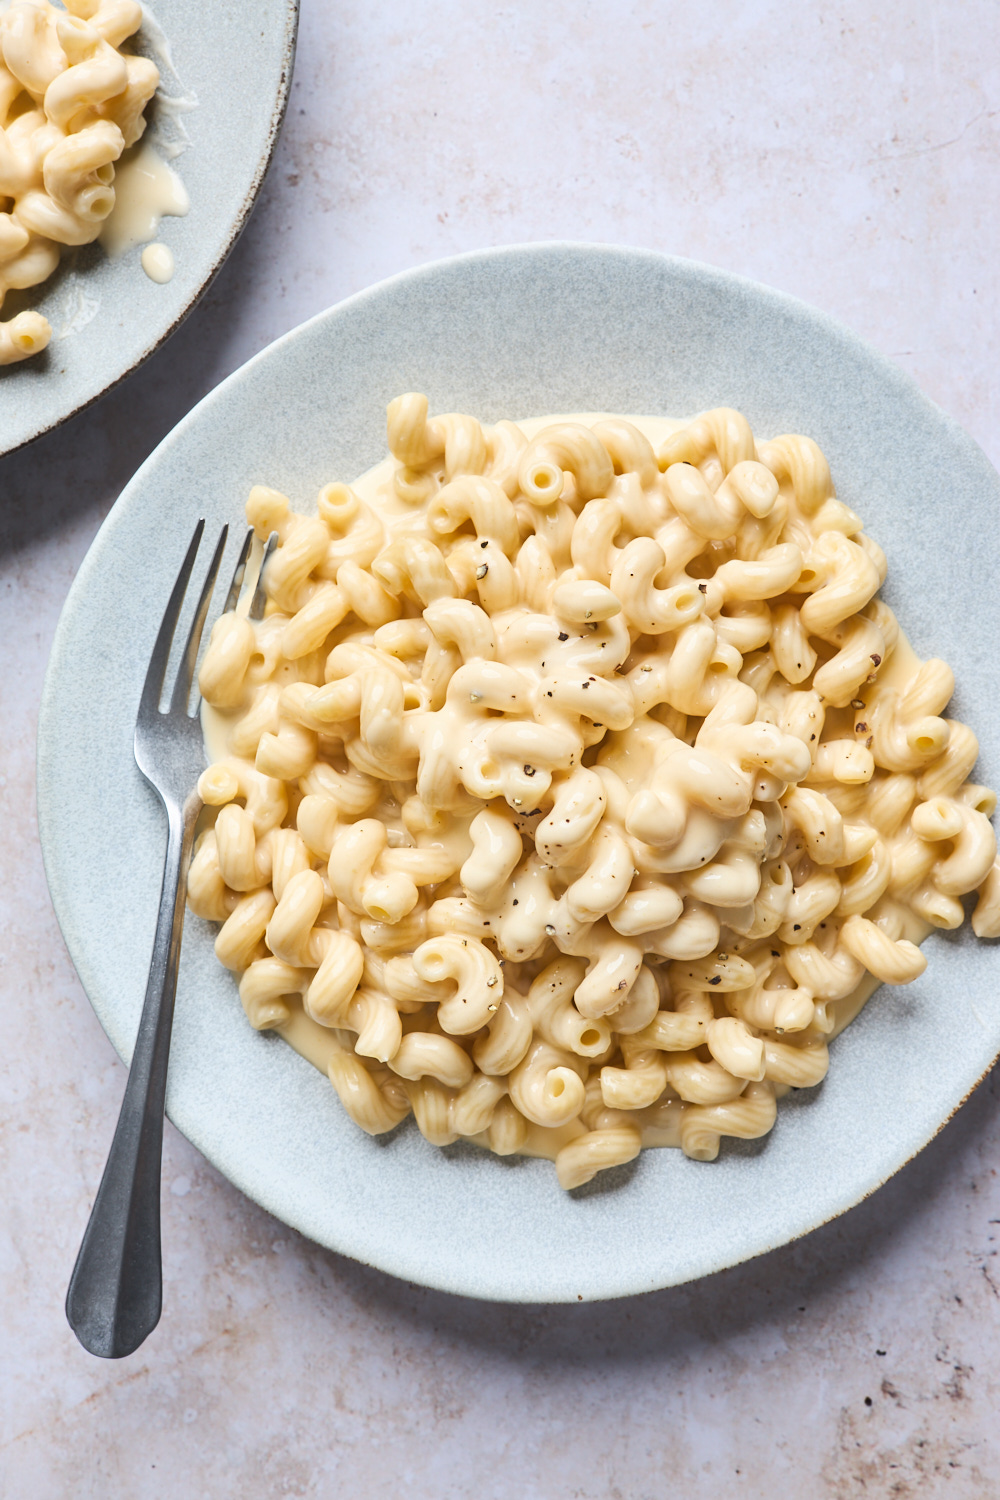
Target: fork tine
[259,600]
[185,671]
[153,686]
[239,573]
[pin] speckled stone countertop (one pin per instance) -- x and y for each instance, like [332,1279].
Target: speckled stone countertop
[848,156]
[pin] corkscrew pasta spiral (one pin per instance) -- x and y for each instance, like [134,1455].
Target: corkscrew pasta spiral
[574,787]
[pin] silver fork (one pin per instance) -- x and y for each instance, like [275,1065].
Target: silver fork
[116,1291]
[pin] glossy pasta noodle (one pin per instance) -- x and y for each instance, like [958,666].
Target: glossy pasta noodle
[70,103]
[572,790]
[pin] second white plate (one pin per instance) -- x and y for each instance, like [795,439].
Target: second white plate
[232,65]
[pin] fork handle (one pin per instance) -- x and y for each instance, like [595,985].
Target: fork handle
[116,1290]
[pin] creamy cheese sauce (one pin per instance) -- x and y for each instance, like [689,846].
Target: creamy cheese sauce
[158,263]
[316,1043]
[146,189]
[900,669]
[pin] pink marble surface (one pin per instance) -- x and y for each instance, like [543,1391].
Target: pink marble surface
[847,155]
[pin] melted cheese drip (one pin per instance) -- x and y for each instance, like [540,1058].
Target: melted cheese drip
[158,263]
[146,189]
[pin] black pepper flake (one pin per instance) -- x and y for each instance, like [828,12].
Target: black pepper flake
[775,953]
[857,703]
[586,685]
[529,770]
[876,658]
[868,1401]
[812,737]
[861,728]
[598,726]
[715,979]
[482,570]
[515,901]
[797,927]
[703,588]
[868,742]
[563,636]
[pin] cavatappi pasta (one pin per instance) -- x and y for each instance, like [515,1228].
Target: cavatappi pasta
[70,104]
[572,791]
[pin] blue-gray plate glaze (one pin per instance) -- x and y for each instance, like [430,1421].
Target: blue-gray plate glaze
[229,63]
[511,333]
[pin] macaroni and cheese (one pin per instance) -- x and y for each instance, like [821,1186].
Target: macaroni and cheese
[573,792]
[70,103]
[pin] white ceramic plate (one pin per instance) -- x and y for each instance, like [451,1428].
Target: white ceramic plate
[233,63]
[513,333]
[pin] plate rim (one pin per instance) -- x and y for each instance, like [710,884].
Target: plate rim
[700,270]
[779,298]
